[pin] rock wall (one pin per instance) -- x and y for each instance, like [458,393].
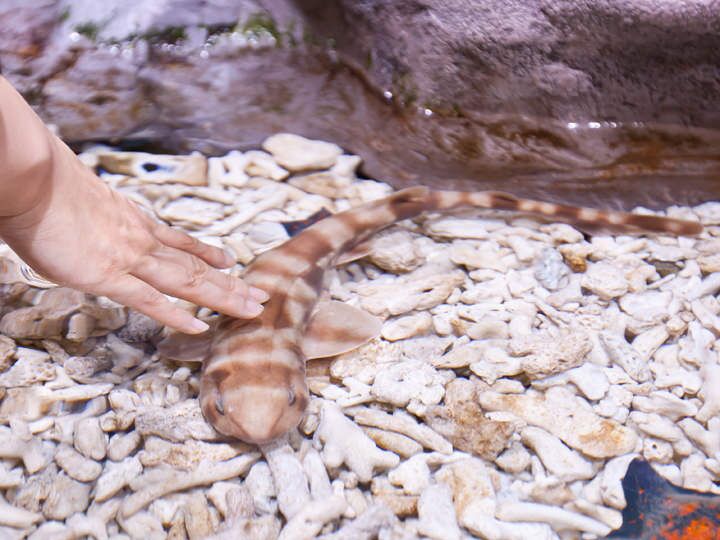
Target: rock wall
[636,60]
[424,90]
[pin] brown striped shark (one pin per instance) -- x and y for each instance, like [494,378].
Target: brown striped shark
[253,384]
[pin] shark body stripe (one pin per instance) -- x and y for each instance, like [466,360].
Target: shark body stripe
[253,380]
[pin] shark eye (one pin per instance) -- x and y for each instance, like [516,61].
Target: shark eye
[291,397]
[219,407]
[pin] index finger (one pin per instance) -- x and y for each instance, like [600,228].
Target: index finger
[135,293]
[219,258]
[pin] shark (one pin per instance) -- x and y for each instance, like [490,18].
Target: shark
[252,384]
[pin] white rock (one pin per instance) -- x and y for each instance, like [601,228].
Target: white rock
[694,474]
[448,227]
[623,354]
[706,315]
[293,492]
[472,256]
[514,460]
[590,380]
[605,280]
[437,514]
[66,497]
[558,459]
[309,521]
[412,475]
[77,466]
[30,367]
[494,290]
[346,165]
[706,440]
[657,450]
[473,489]
[408,293]
[228,170]
[650,341]
[90,440]
[262,164]
[122,445]
[710,285]
[367,525]
[157,482]
[543,355]
[558,518]
[115,477]
[396,252]
[495,364]
[192,211]
[179,422]
[157,168]
[551,271]
[297,153]
[657,426]
[567,417]
[562,233]
[666,404]
[611,482]
[689,381]
[709,213]
[346,443]
[401,422]
[12,516]
[407,326]
[410,380]
[142,525]
[710,392]
[651,306]
[260,482]
[609,516]
[266,234]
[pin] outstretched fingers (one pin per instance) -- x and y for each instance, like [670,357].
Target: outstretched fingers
[182,241]
[183,275]
[135,293]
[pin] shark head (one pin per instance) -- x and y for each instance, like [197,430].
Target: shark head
[255,404]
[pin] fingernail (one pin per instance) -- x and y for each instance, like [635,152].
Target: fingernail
[198,326]
[258,295]
[252,309]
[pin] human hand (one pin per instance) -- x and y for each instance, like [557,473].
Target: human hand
[80,233]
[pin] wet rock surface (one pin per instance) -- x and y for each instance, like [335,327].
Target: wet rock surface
[572,100]
[494,407]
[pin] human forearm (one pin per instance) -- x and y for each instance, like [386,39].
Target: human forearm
[72,228]
[27,150]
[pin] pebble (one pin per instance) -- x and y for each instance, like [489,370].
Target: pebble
[568,418]
[605,280]
[516,360]
[437,514]
[296,153]
[557,458]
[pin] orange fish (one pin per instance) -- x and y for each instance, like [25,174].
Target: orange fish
[658,510]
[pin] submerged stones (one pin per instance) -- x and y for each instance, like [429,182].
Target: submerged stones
[296,153]
[519,370]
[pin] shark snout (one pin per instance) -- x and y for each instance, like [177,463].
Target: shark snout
[258,417]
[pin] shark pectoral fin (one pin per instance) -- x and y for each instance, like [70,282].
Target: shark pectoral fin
[336,328]
[186,347]
[363,249]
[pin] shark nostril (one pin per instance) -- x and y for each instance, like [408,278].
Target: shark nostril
[291,397]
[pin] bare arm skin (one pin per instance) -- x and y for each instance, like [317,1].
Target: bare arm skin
[72,228]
